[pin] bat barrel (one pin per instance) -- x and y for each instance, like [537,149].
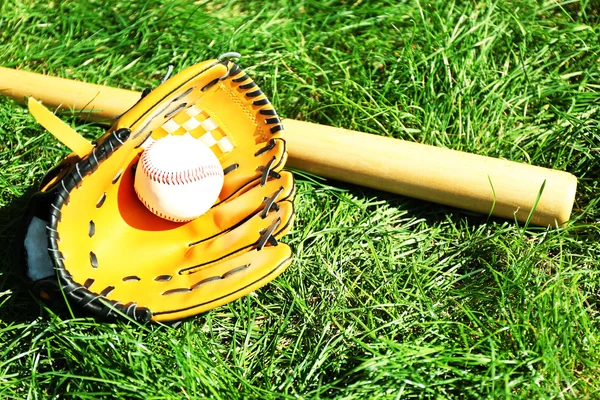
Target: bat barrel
[486,185]
[482,184]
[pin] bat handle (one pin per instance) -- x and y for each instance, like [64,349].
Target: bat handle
[486,185]
[98,102]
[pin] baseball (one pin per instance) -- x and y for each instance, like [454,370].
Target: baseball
[178,178]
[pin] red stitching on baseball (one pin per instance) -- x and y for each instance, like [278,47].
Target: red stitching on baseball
[179,177]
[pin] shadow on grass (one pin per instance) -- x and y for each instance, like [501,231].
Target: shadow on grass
[431,213]
[19,301]
[16,302]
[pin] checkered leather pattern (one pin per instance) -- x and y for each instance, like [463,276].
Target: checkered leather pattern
[197,123]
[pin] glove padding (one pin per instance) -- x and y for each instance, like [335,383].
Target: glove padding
[110,255]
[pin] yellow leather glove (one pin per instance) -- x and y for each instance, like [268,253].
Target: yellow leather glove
[89,237]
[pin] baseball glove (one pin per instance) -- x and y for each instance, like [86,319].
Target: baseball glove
[89,239]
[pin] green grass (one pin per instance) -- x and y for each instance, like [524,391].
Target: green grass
[388,297]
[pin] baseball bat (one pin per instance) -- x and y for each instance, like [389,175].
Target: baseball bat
[477,183]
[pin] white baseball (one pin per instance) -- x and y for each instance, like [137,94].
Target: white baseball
[178,178]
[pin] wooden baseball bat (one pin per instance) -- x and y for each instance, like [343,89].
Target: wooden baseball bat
[482,184]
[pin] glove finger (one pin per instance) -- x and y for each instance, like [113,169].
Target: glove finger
[231,213]
[271,159]
[222,283]
[255,232]
[180,295]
